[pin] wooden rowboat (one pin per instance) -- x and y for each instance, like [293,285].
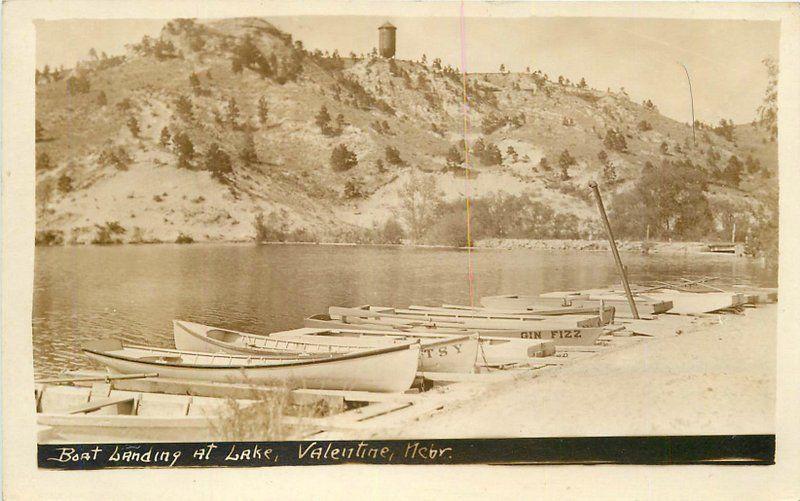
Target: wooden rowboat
[586,316]
[490,350]
[468,319]
[389,369]
[98,414]
[190,336]
[442,354]
[571,299]
[561,335]
[683,302]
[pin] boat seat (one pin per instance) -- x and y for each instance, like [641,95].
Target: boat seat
[157,404]
[56,399]
[222,335]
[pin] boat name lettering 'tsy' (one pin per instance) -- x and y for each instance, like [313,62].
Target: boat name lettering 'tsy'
[441,351]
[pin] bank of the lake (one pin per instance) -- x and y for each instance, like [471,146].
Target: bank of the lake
[716,377]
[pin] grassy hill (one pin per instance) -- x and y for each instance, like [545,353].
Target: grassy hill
[197,134]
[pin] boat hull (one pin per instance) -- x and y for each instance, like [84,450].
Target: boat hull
[561,336]
[437,354]
[621,306]
[389,370]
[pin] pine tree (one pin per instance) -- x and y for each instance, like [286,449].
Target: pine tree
[263,110]
[217,161]
[133,126]
[183,107]
[232,112]
[323,120]
[184,148]
[393,156]
[343,159]
[248,154]
[194,81]
[165,137]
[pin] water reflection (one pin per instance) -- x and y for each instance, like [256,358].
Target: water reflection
[134,292]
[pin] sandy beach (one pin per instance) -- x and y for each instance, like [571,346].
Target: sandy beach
[716,377]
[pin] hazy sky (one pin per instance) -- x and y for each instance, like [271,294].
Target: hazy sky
[642,55]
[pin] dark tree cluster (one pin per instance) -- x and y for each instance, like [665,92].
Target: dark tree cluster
[615,140]
[487,152]
[342,158]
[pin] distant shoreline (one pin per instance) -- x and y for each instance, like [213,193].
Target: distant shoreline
[585,245]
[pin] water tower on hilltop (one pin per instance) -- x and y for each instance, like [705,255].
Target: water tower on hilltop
[386,39]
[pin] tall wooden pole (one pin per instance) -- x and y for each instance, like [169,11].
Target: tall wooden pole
[614,250]
[691,98]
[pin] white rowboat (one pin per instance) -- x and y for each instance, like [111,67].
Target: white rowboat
[445,354]
[389,369]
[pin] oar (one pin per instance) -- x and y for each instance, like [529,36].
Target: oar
[80,379]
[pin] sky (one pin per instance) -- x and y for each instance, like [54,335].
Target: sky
[642,55]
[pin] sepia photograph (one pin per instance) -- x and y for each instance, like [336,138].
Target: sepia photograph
[402,238]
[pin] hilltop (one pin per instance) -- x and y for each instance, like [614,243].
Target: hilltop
[217,127]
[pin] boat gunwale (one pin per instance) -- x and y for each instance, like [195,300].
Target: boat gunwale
[288,364]
[245,350]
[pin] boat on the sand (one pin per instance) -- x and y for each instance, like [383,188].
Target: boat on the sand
[489,350]
[454,318]
[644,306]
[439,354]
[99,414]
[386,369]
[561,335]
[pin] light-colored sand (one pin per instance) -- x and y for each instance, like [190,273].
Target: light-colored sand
[715,380]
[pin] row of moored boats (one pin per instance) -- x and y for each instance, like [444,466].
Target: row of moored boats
[383,349]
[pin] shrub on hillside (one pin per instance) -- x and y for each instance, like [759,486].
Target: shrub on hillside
[248,154]
[670,200]
[391,232]
[420,200]
[392,156]
[78,84]
[64,184]
[486,152]
[108,233]
[263,110]
[615,140]
[544,164]
[353,188]
[117,157]
[448,229]
[644,126]
[43,161]
[725,129]
[732,174]
[272,228]
[133,126]
[184,239]
[165,138]
[342,158]
[565,161]
[183,107]
[184,149]
[218,162]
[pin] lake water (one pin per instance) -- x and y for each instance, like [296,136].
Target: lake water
[133,292]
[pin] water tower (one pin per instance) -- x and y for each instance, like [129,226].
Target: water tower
[386,39]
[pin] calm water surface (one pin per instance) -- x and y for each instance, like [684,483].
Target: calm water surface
[133,292]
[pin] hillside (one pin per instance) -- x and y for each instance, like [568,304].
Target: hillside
[192,135]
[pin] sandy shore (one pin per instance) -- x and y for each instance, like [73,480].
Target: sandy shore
[717,377]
